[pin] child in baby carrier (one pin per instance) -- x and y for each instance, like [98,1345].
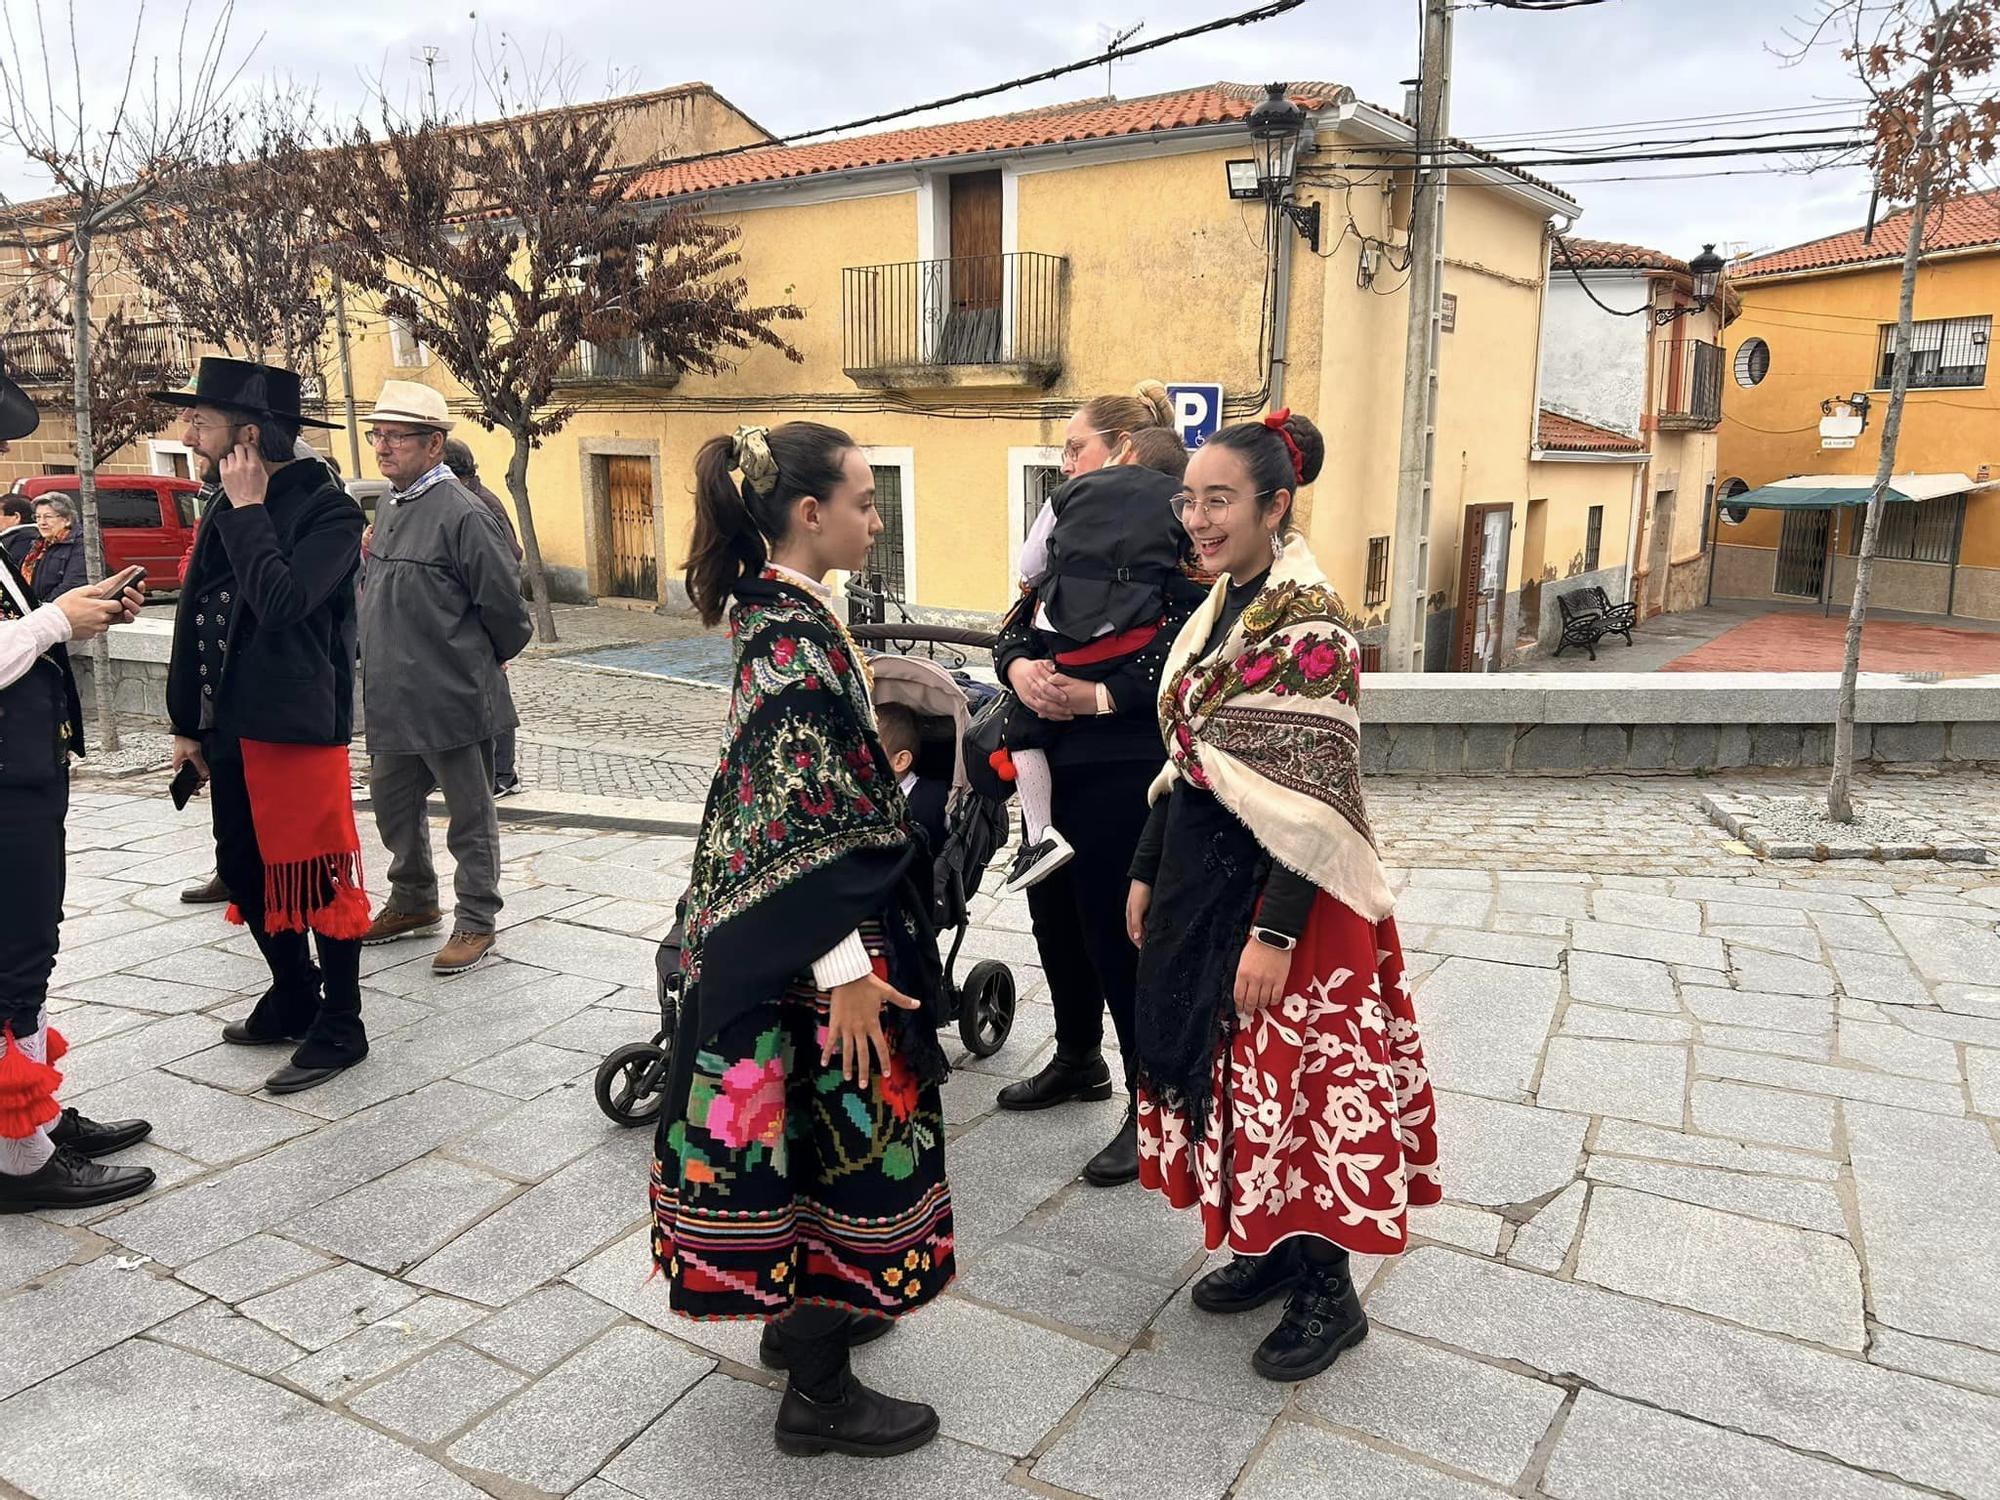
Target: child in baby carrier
[1097,566]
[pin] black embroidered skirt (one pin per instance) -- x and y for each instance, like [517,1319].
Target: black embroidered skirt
[784,1183]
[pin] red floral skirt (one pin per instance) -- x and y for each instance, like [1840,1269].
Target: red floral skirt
[1322,1121]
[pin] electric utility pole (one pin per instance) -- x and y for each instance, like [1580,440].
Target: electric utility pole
[1409,553]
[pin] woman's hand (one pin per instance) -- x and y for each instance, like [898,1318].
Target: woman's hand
[1138,901]
[1033,682]
[1260,978]
[1080,698]
[855,1025]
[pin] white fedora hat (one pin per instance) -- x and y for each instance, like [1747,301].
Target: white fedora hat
[407,401]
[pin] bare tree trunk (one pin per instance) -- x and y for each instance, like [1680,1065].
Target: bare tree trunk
[86,484]
[1839,790]
[538,578]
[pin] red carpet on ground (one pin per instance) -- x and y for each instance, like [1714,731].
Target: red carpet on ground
[1812,643]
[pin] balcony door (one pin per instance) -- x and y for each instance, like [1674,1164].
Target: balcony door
[972,322]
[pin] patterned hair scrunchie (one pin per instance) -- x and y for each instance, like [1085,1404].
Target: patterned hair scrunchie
[751,454]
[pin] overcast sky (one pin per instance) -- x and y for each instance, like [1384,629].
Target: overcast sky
[795,64]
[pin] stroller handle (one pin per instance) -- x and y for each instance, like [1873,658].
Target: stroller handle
[941,635]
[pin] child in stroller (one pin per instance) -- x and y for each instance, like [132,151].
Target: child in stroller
[921,697]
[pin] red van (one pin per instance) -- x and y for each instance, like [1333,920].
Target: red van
[146,519]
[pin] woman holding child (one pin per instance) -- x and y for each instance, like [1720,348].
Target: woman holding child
[1282,1086]
[1086,771]
[799,1177]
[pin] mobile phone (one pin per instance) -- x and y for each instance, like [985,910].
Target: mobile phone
[186,782]
[133,577]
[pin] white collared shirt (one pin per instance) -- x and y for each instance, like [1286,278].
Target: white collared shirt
[25,639]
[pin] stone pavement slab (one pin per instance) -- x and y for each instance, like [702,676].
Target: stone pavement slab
[437,1395]
[402,1216]
[1494,1153]
[1485,1025]
[1629,1080]
[78,1312]
[1134,1445]
[1301,1460]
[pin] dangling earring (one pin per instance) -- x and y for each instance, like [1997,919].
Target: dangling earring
[1277,545]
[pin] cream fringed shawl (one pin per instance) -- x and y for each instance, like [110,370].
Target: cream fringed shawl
[1269,721]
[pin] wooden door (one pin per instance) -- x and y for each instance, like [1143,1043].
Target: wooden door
[975,240]
[1482,586]
[635,555]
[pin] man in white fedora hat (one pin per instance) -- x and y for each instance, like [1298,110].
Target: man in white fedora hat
[441,609]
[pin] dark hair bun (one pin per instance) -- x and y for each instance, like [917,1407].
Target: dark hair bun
[1312,447]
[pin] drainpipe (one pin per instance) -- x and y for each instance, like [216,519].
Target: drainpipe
[1281,308]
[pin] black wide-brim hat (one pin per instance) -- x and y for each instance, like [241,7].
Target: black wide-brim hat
[262,390]
[18,415]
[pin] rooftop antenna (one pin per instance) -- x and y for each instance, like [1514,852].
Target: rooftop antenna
[1113,39]
[431,57]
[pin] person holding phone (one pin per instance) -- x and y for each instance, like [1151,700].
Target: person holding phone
[47,1153]
[260,691]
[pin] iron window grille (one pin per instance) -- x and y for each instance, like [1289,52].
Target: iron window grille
[886,559]
[1041,483]
[1378,570]
[1944,353]
[1914,531]
[1593,539]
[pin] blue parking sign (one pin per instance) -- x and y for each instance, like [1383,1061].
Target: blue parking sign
[1197,412]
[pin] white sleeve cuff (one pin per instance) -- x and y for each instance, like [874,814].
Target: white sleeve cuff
[843,964]
[51,626]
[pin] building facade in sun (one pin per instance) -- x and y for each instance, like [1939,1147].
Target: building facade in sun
[1808,387]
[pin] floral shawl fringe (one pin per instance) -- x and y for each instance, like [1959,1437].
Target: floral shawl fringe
[1269,721]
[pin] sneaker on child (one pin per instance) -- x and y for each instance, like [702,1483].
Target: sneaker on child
[1034,863]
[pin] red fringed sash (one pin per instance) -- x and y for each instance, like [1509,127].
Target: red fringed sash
[302,807]
[28,1088]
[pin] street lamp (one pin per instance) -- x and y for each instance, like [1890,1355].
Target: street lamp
[1706,269]
[1276,128]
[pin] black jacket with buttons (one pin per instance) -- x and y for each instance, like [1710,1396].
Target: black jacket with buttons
[288,565]
[41,719]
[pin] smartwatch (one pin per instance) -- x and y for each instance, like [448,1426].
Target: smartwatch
[1271,938]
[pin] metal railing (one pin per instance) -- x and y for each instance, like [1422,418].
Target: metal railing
[41,356]
[1690,384]
[965,310]
[615,361]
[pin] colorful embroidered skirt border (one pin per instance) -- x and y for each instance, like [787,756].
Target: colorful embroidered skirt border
[791,1185]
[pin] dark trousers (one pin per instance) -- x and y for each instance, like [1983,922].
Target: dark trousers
[323,1005]
[31,852]
[1079,912]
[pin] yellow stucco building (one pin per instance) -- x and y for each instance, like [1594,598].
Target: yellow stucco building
[1808,390]
[966,286]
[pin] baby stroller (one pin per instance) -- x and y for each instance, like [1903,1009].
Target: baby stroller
[632,1081]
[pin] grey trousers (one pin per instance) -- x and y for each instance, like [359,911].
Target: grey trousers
[398,785]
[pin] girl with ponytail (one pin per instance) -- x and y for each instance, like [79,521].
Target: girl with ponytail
[799,1169]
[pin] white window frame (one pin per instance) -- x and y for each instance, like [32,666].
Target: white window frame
[401,337]
[1019,461]
[934,237]
[160,457]
[904,459]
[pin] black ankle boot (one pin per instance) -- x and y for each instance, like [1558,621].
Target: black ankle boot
[1118,1162]
[1248,1281]
[285,1011]
[856,1420]
[1059,1083]
[1322,1318]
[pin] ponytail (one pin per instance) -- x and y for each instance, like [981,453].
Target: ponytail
[735,526]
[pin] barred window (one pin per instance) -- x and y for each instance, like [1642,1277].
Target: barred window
[1593,539]
[887,557]
[1943,352]
[1913,531]
[1378,570]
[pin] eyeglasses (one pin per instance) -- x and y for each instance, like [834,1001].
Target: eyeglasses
[195,424]
[1186,505]
[1073,449]
[377,438]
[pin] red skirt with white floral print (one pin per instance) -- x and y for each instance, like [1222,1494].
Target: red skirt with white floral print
[1322,1120]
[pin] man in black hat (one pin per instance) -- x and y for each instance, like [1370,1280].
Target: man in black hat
[260,692]
[46,1151]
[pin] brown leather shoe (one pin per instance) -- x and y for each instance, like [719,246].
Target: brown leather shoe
[210,892]
[389,926]
[463,951]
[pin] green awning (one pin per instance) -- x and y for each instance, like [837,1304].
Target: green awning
[1831,491]
[1790,497]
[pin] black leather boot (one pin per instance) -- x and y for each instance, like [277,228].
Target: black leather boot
[88,1137]
[1061,1082]
[857,1330]
[1248,1281]
[1118,1162]
[67,1180]
[859,1421]
[1322,1318]
[289,1005]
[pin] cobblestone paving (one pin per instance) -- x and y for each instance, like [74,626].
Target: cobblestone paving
[1719,1152]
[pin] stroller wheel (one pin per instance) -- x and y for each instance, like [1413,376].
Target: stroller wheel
[986,1008]
[632,1082]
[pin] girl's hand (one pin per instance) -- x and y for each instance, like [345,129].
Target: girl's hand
[1260,978]
[1030,678]
[855,1025]
[1138,901]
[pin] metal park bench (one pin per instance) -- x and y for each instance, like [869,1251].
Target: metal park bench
[1588,615]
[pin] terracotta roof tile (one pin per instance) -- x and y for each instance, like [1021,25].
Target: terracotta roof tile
[1613,255]
[1958,224]
[1055,124]
[1564,434]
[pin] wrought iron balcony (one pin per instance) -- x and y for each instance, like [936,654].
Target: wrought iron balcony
[41,356]
[1688,385]
[615,362]
[969,320]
